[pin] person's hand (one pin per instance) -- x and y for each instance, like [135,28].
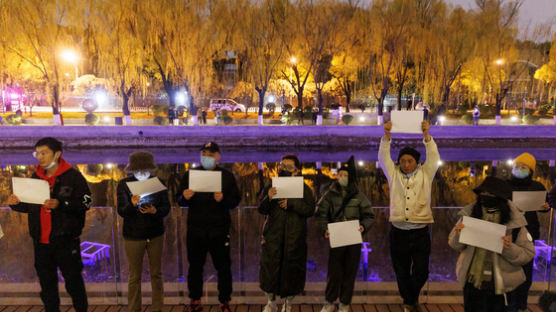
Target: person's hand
[507,241]
[326,234]
[218,196]
[51,203]
[387,129]
[147,209]
[361,229]
[546,206]
[272,192]
[13,200]
[283,204]
[187,194]
[425,126]
[135,200]
[459,227]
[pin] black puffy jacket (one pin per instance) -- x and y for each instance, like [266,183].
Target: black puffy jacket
[528,184]
[284,246]
[68,219]
[139,225]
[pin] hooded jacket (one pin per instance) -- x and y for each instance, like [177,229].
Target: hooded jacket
[139,225]
[410,199]
[68,219]
[507,271]
[284,244]
[335,208]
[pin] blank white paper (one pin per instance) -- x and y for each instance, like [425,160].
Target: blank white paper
[31,191]
[529,201]
[344,233]
[146,187]
[205,181]
[483,234]
[288,187]
[406,121]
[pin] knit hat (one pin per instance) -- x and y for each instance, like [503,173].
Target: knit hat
[211,146]
[496,187]
[411,152]
[140,161]
[349,166]
[527,159]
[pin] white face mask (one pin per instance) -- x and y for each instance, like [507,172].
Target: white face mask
[52,164]
[141,175]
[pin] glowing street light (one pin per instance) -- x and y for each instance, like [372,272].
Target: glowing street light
[293,60]
[71,57]
[499,61]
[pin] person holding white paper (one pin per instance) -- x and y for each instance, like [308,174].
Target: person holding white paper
[410,212]
[284,243]
[521,181]
[208,229]
[485,276]
[343,202]
[56,225]
[143,230]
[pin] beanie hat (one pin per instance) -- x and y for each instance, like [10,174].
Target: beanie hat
[349,166]
[527,159]
[411,152]
[496,187]
[140,161]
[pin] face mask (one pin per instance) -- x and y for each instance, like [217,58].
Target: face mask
[285,173]
[490,201]
[52,164]
[343,181]
[520,173]
[208,162]
[142,175]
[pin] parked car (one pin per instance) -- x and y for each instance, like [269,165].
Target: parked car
[226,104]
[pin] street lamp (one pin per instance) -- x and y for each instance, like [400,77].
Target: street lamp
[71,57]
[293,60]
[499,61]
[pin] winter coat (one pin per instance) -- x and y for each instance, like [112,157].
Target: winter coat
[528,184]
[552,197]
[68,219]
[137,225]
[284,244]
[410,200]
[507,271]
[205,213]
[334,208]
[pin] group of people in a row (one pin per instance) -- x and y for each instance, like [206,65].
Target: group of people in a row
[491,281]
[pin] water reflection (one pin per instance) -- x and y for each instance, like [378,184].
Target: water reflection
[452,188]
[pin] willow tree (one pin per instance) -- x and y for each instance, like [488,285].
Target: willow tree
[261,45]
[44,29]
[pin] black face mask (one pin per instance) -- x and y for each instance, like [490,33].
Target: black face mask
[490,201]
[285,173]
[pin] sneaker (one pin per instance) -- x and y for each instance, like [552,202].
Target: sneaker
[270,307]
[195,306]
[328,307]
[286,307]
[225,307]
[343,307]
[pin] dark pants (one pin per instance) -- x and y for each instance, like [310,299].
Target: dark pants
[65,255]
[517,299]
[410,251]
[217,243]
[476,300]
[343,263]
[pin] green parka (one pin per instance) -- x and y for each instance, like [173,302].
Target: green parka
[284,244]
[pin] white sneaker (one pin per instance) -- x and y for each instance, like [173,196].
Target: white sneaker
[286,307]
[270,307]
[343,307]
[328,307]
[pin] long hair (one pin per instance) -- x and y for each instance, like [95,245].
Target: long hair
[505,216]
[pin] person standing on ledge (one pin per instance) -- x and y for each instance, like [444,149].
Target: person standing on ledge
[56,225]
[410,212]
